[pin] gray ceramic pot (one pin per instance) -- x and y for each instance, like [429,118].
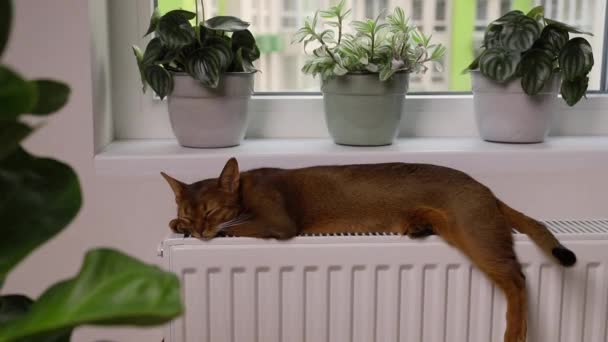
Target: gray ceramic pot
[505,113]
[202,117]
[361,110]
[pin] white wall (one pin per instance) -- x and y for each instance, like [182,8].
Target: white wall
[52,38]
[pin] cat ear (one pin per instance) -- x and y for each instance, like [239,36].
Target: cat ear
[229,179]
[177,186]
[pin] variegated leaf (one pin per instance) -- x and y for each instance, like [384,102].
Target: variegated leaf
[574,90]
[536,68]
[576,58]
[520,33]
[554,38]
[159,79]
[226,23]
[499,64]
[175,30]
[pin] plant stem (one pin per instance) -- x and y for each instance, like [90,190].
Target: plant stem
[339,29]
[373,35]
[203,9]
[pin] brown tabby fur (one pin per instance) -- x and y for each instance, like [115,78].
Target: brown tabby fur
[410,199]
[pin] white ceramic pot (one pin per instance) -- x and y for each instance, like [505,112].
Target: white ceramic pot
[505,113]
[203,117]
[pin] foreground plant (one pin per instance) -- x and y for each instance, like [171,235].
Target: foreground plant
[534,48]
[377,46]
[205,51]
[39,197]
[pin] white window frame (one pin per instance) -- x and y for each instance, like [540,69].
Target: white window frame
[293,115]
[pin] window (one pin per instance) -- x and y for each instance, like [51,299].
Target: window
[275,36]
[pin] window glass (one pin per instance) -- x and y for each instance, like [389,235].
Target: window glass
[458,24]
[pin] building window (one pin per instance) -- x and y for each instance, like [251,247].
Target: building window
[440,10]
[417,9]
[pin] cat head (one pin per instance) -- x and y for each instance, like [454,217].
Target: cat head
[204,207]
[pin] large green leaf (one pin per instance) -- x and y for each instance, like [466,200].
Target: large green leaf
[159,79]
[6,16]
[154,20]
[520,33]
[174,29]
[536,69]
[573,91]
[537,13]
[508,17]
[243,39]
[498,64]
[52,96]
[204,65]
[11,134]
[553,38]
[576,59]
[17,96]
[153,53]
[226,23]
[491,37]
[38,198]
[111,288]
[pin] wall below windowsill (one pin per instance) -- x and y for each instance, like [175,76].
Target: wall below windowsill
[557,154]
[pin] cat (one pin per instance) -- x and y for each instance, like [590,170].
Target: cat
[410,199]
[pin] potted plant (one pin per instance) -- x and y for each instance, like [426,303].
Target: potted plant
[206,71]
[525,60]
[365,73]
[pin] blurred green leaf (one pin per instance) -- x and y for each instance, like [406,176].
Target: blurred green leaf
[536,68]
[6,16]
[11,134]
[174,30]
[537,13]
[576,58]
[573,91]
[139,57]
[111,288]
[567,27]
[17,95]
[498,64]
[38,198]
[226,23]
[52,96]
[13,307]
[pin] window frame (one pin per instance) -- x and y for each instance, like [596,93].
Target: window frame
[300,115]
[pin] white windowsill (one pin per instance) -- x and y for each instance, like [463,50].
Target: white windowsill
[556,155]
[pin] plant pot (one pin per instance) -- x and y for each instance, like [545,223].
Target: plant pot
[361,110]
[505,113]
[203,117]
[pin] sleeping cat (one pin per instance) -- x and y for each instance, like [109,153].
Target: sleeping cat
[411,199]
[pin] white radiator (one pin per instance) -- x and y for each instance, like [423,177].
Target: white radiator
[381,288]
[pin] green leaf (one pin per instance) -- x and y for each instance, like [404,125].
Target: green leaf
[205,66]
[17,95]
[154,21]
[52,96]
[573,91]
[159,79]
[13,307]
[576,58]
[508,17]
[11,134]
[473,66]
[6,16]
[553,38]
[491,37]
[536,69]
[111,288]
[154,52]
[245,41]
[38,198]
[175,30]
[226,23]
[340,70]
[498,64]
[139,56]
[537,13]
[520,33]
[567,27]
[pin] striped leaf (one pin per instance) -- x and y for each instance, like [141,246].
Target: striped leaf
[520,33]
[508,17]
[473,66]
[499,64]
[226,23]
[536,68]
[537,13]
[175,30]
[576,59]
[139,56]
[204,66]
[159,79]
[492,36]
[153,53]
[573,91]
[554,38]
[153,21]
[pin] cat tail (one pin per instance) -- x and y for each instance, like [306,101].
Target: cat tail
[538,233]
